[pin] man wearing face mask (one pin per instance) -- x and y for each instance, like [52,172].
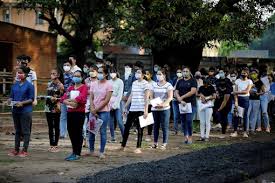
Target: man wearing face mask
[74,67]
[156,69]
[211,76]
[86,69]
[99,63]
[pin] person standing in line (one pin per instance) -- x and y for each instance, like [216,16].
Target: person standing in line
[161,113]
[254,100]
[138,101]
[241,95]
[88,82]
[75,98]
[186,90]
[68,81]
[74,67]
[52,109]
[115,112]
[175,104]
[100,95]
[148,77]
[206,93]
[21,98]
[86,70]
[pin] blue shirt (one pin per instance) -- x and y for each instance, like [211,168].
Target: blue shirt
[21,93]
[272,88]
[68,80]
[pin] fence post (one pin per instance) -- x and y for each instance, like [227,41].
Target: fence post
[4,82]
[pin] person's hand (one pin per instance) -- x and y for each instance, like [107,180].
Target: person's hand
[94,111]
[160,106]
[145,115]
[19,104]
[34,103]
[53,99]
[183,103]
[125,98]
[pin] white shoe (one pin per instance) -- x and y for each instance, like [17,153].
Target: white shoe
[138,151]
[245,135]
[102,156]
[217,126]
[235,134]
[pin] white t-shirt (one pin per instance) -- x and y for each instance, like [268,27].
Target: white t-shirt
[162,93]
[75,68]
[266,83]
[138,93]
[242,85]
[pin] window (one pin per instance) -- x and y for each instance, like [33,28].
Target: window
[38,20]
[6,16]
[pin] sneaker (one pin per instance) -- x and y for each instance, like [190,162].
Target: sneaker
[68,157]
[13,153]
[138,151]
[154,146]
[259,129]
[54,149]
[267,130]
[122,148]
[102,156]
[245,135]
[201,139]
[175,133]
[113,141]
[206,139]
[74,157]
[217,126]
[92,154]
[23,154]
[189,142]
[163,147]
[235,134]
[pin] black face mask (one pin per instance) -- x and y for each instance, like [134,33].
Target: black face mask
[243,76]
[197,77]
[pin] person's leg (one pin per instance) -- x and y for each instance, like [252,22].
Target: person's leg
[202,115]
[254,114]
[208,115]
[176,114]
[71,130]
[150,129]
[128,125]
[18,131]
[26,128]
[183,118]
[49,117]
[244,103]
[189,124]
[112,125]
[140,130]
[104,116]
[84,130]
[56,128]
[165,125]
[118,115]
[79,121]
[63,121]
[91,142]
[224,120]
[156,116]
[264,105]
[250,114]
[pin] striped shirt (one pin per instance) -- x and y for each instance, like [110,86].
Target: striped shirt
[162,93]
[138,94]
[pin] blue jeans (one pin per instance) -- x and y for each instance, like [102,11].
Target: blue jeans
[187,122]
[105,116]
[244,103]
[116,114]
[161,119]
[253,113]
[263,113]
[176,114]
[63,121]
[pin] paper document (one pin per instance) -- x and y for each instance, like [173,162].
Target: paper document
[156,101]
[187,108]
[203,106]
[146,122]
[74,94]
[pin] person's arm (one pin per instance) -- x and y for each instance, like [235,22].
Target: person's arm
[119,96]
[105,102]
[224,102]
[30,97]
[189,94]
[129,100]
[262,91]
[146,99]
[244,92]
[169,98]
[34,80]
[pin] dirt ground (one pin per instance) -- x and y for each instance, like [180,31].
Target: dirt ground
[42,166]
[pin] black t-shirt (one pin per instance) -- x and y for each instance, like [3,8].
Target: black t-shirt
[256,89]
[184,86]
[206,91]
[221,83]
[221,92]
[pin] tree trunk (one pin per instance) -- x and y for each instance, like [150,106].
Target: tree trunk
[178,56]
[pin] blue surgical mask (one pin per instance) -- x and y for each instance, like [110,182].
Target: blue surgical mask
[77,80]
[100,76]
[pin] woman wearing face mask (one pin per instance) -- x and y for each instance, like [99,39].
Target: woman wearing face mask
[233,78]
[241,95]
[101,93]
[22,92]
[86,70]
[138,102]
[254,100]
[186,90]
[206,93]
[68,81]
[88,81]
[76,113]
[52,108]
[175,104]
[115,112]
[148,77]
[161,112]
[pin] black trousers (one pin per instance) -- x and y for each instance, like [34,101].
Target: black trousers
[75,121]
[53,120]
[132,118]
[22,125]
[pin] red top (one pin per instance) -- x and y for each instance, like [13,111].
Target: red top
[81,99]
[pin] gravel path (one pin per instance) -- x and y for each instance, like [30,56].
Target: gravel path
[232,163]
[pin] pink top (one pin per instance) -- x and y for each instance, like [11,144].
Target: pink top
[100,91]
[81,99]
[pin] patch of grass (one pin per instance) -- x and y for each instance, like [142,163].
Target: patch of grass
[7,161]
[200,146]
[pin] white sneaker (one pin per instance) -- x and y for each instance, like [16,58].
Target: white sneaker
[235,134]
[245,135]
[217,126]
[138,151]
[101,156]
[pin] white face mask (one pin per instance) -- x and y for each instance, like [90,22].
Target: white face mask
[113,75]
[92,74]
[99,65]
[179,75]
[156,68]
[138,75]
[233,78]
[160,77]
[128,71]
[66,68]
